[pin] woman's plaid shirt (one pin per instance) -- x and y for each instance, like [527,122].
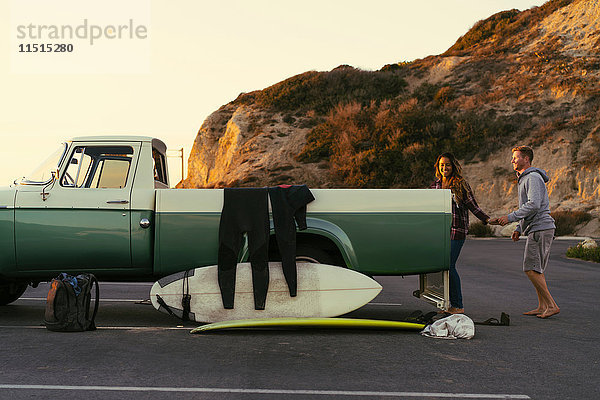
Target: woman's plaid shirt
[460,212]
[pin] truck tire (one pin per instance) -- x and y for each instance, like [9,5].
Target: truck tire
[305,253]
[11,291]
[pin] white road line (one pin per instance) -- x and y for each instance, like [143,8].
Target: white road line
[267,391]
[108,328]
[22,327]
[101,300]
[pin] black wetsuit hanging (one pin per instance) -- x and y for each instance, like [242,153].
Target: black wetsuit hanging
[288,203]
[245,210]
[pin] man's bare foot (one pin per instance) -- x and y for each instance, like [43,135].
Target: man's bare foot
[549,312]
[537,311]
[454,310]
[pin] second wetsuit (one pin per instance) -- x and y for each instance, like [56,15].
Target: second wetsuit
[288,203]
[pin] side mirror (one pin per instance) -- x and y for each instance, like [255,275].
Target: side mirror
[45,194]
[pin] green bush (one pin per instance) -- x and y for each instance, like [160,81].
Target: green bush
[579,251]
[566,221]
[318,146]
[484,29]
[479,229]
[426,92]
[322,91]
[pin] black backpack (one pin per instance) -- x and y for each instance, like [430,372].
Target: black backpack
[68,303]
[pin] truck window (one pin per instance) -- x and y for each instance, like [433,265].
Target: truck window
[99,167]
[111,174]
[42,174]
[160,172]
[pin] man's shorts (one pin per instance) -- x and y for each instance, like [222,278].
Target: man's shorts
[537,250]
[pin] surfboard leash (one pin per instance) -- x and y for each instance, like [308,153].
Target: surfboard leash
[186,298]
[164,305]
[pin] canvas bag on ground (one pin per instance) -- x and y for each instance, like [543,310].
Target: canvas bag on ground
[68,303]
[457,326]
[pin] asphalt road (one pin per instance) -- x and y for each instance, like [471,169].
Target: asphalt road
[141,353]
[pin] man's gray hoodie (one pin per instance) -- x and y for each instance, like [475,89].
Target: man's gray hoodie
[534,206]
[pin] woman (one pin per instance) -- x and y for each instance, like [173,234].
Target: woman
[449,176]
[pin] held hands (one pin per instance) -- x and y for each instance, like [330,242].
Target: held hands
[498,221]
[503,220]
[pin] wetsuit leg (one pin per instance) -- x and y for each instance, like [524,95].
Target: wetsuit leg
[226,272]
[259,260]
[244,210]
[230,242]
[288,205]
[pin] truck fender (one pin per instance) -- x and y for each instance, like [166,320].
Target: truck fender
[334,233]
[325,229]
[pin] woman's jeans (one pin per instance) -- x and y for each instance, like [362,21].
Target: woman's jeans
[455,292]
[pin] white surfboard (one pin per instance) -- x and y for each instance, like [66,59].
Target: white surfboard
[323,291]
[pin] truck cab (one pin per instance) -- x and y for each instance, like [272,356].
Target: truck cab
[78,208]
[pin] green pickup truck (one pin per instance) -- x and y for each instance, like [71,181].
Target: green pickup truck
[103,205]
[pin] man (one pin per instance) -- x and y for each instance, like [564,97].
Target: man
[535,222]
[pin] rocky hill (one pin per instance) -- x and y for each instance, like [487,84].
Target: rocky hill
[530,77]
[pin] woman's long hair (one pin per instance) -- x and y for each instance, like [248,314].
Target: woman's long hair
[456,183]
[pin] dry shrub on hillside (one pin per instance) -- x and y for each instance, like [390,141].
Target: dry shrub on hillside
[543,133]
[444,95]
[395,143]
[322,91]
[502,31]
[493,26]
[567,221]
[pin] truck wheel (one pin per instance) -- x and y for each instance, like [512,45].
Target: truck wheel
[11,291]
[317,255]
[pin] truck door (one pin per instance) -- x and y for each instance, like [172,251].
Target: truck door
[81,219]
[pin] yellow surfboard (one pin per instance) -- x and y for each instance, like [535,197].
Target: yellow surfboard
[351,323]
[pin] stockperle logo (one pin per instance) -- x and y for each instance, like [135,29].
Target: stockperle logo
[80,36]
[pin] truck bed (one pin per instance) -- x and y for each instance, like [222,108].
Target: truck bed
[377,231]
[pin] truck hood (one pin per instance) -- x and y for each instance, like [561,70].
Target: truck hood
[7,197]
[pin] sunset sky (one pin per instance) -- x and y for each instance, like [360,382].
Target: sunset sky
[202,55]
